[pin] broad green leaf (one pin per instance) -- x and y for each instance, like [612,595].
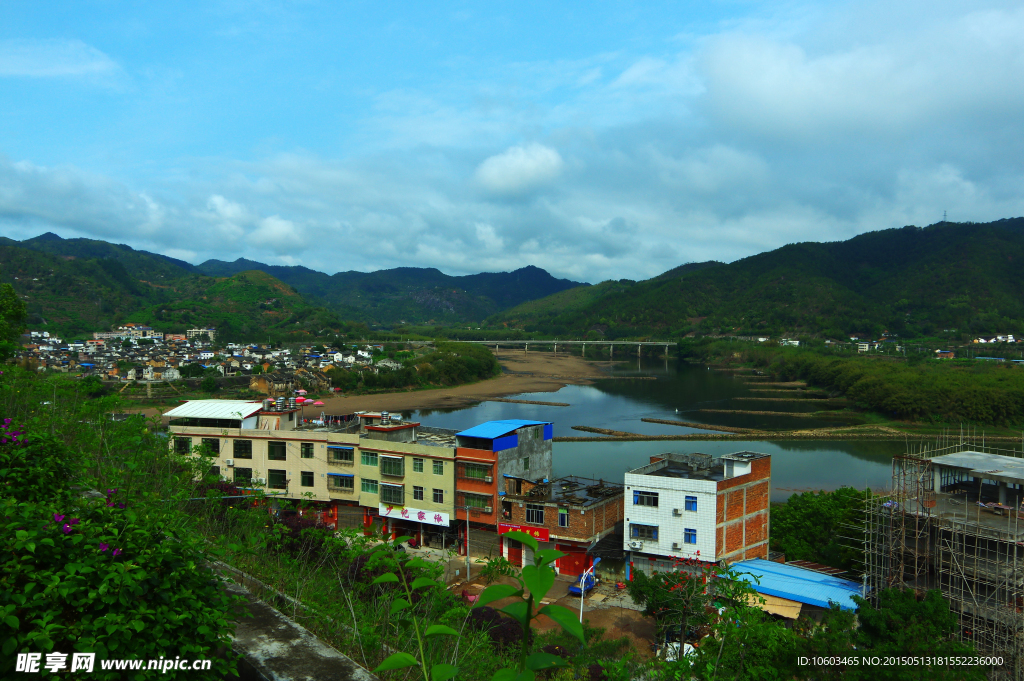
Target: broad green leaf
[443,672]
[399,604]
[397,661]
[566,618]
[539,661]
[401,540]
[546,556]
[440,630]
[10,645]
[538,580]
[496,592]
[12,621]
[421,582]
[387,577]
[520,610]
[522,537]
[511,675]
[416,563]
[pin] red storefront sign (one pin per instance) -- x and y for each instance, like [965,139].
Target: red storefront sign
[538,533]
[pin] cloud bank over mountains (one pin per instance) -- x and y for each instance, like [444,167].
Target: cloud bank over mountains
[708,139]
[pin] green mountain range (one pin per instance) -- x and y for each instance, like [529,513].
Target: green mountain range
[408,295]
[75,286]
[962,278]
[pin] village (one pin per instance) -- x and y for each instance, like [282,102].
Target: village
[138,353]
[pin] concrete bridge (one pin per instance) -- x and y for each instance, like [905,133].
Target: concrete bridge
[525,344]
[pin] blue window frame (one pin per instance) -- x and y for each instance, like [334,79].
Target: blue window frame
[691,503]
[689,536]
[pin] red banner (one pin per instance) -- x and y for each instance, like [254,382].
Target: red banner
[538,533]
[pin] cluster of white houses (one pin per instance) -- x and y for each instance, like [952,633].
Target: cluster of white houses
[392,475]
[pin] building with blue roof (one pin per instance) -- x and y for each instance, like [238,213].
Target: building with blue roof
[488,453]
[798,584]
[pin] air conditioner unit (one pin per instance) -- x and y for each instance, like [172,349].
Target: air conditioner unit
[261,481]
[675,546]
[636,545]
[676,512]
[488,478]
[229,462]
[487,509]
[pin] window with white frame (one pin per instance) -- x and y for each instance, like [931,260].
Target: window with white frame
[689,536]
[535,514]
[691,503]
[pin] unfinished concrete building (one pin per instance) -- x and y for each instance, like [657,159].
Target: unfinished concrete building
[955,522]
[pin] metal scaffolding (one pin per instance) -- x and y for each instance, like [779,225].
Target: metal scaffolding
[934,531]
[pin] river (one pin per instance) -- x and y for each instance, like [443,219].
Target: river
[678,391]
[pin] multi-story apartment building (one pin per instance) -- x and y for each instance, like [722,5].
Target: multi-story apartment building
[373,469]
[570,514]
[490,451]
[699,507]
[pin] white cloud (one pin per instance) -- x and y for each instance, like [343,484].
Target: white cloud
[519,169]
[53,58]
[279,235]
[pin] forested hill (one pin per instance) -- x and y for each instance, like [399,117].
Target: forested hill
[411,295]
[73,295]
[910,281]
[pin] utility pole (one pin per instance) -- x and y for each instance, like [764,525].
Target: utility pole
[466,509]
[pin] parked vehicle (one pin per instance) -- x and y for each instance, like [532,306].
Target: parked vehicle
[591,582]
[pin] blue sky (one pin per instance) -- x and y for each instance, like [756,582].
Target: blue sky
[613,140]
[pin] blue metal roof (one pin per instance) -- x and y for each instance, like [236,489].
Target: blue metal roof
[495,429]
[799,584]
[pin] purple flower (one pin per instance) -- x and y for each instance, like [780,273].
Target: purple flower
[104,547]
[73,521]
[120,505]
[58,517]
[117,552]
[110,504]
[66,528]
[6,421]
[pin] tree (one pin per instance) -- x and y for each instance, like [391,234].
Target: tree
[209,384]
[13,314]
[810,526]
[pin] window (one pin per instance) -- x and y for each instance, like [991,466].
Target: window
[526,464]
[438,467]
[438,496]
[535,514]
[182,445]
[476,500]
[645,499]
[392,465]
[340,484]
[212,444]
[369,486]
[243,475]
[306,450]
[242,449]
[563,517]
[341,454]
[307,478]
[417,493]
[689,536]
[474,471]
[648,532]
[215,471]
[691,503]
[417,465]
[392,494]
[369,458]
[277,479]
[276,451]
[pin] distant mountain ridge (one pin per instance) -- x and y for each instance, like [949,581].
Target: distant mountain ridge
[908,281]
[408,294]
[104,283]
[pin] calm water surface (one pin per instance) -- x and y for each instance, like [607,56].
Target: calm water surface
[679,391]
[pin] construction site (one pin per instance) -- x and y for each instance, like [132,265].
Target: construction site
[953,522]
